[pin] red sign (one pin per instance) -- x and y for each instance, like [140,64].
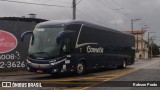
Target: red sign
[8,42]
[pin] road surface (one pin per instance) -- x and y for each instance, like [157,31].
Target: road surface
[110,79]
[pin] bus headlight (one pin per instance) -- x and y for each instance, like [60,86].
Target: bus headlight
[53,62]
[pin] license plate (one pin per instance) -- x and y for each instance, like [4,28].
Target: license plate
[39,71]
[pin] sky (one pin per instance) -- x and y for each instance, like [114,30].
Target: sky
[116,14]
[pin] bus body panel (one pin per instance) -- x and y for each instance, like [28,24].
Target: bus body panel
[97,46]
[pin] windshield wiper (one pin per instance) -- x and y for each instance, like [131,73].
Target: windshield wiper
[43,53]
[40,55]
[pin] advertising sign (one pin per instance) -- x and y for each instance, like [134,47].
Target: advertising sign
[13,52]
[8,42]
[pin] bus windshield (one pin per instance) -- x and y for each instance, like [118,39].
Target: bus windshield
[43,43]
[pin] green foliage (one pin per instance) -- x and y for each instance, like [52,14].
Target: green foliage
[155,49]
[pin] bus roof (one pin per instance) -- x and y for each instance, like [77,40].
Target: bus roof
[68,22]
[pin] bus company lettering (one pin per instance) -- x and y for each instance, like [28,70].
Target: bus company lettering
[8,42]
[94,50]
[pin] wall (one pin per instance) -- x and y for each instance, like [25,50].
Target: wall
[142,47]
[15,58]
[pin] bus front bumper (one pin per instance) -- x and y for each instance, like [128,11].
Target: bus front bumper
[48,68]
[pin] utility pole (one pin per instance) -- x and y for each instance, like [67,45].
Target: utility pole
[149,50]
[132,25]
[132,20]
[137,42]
[74,9]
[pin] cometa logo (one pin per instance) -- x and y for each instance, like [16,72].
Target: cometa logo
[94,50]
[8,42]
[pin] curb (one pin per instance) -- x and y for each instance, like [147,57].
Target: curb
[19,73]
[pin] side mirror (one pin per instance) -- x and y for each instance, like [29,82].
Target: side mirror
[24,34]
[63,34]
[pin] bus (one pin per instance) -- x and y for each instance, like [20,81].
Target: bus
[77,46]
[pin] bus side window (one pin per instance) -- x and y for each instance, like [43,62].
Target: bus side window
[67,45]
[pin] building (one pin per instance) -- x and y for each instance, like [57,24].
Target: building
[13,52]
[141,45]
[23,19]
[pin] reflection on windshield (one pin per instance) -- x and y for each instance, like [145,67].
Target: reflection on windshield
[44,40]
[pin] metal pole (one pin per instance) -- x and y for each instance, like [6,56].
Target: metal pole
[151,47]
[74,9]
[137,42]
[148,46]
[150,50]
[142,41]
[132,25]
[132,20]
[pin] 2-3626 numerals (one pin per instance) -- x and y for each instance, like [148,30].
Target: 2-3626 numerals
[12,64]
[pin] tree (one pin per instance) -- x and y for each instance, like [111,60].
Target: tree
[155,49]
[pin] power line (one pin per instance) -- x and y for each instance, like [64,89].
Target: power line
[111,14]
[91,12]
[100,17]
[122,9]
[113,7]
[33,3]
[69,13]
[88,16]
[56,1]
[117,8]
[101,8]
[78,2]
[104,4]
[59,1]
[128,13]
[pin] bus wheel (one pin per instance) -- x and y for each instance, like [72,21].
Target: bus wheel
[123,66]
[80,68]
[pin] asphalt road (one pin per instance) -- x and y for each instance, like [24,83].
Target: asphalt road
[110,79]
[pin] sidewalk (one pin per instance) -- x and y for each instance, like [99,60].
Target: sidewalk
[136,60]
[16,73]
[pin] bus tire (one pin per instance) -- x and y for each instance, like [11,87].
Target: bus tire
[80,67]
[123,66]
